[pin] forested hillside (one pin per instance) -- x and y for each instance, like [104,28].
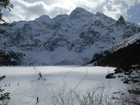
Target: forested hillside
[124,58]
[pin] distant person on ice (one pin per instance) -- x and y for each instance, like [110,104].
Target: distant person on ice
[37,100]
[40,75]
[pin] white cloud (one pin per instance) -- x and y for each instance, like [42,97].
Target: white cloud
[27,11]
[114,9]
[31,9]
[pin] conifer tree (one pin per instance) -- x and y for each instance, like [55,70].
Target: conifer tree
[4,96]
[6,5]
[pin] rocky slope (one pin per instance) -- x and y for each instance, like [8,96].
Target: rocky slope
[66,39]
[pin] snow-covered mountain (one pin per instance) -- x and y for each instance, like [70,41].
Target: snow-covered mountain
[65,39]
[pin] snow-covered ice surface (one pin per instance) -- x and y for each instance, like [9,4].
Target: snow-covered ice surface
[79,78]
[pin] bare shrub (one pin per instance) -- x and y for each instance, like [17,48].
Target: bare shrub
[97,95]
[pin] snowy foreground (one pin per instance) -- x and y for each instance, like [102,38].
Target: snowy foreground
[54,78]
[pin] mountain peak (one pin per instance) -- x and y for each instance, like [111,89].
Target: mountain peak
[120,21]
[43,18]
[100,14]
[79,9]
[79,12]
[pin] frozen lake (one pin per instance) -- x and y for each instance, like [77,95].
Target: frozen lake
[54,78]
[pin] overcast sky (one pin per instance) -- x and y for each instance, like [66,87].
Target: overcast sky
[31,9]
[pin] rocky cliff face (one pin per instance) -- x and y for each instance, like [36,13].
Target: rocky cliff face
[66,39]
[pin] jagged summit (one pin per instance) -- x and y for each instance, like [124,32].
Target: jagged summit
[79,12]
[120,21]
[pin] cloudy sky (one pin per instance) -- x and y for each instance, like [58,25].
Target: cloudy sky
[31,9]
